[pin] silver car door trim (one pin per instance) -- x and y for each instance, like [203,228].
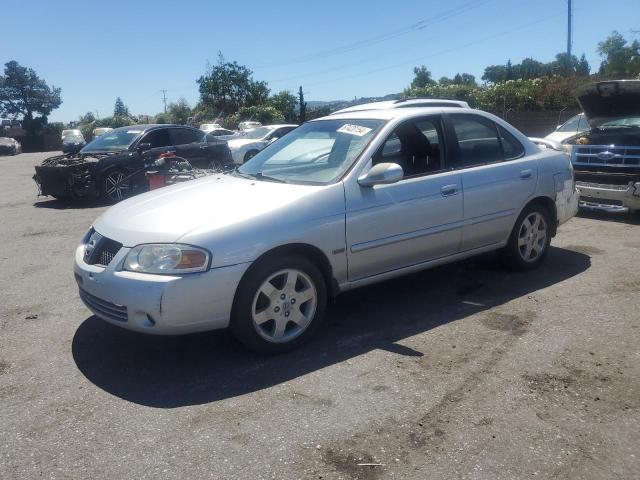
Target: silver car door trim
[416,267]
[382,242]
[491,216]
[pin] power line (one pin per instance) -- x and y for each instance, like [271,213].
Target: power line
[416,26]
[442,52]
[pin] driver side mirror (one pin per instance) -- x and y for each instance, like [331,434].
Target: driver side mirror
[382,174]
[143,147]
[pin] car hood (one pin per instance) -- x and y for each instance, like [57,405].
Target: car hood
[215,202]
[241,142]
[606,101]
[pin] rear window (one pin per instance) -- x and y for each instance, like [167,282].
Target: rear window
[511,147]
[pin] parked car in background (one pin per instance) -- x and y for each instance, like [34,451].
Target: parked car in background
[222,132]
[404,103]
[208,127]
[249,143]
[576,124]
[72,143]
[112,166]
[248,125]
[341,202]
[70,132]
[101,131]
[9,146]
[606,157]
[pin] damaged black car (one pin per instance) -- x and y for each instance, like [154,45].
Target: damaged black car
[606,158]
[112,167]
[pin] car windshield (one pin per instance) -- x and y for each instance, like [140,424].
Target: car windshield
[257,133]
[114,140]
[315,153]
[576,123]
[622,122]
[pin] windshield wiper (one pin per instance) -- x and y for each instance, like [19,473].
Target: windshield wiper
[259,176]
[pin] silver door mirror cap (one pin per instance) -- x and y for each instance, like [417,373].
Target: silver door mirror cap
[381,174]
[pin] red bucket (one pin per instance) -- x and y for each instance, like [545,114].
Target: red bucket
[156,180]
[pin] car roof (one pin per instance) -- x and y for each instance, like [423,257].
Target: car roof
[280,125]
[391,113]
[405,103]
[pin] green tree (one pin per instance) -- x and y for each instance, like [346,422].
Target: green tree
[265,114]
[228,86]
[179,111]
[120,109]
[422,77]
[621,60]
[87,118]
[583,69]
[495,74]
[303,106]
[285,103]
[24,93]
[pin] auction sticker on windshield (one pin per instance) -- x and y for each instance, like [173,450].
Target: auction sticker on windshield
[354,130]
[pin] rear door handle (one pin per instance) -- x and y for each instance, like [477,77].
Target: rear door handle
[526,174]
[448,190]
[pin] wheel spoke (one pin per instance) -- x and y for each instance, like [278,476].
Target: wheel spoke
[267,289]
[304,296]
[522,241]
[527,252]
[290,285]
[298,318]
[280,326]
[262,317]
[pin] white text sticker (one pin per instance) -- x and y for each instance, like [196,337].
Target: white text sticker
[354,130]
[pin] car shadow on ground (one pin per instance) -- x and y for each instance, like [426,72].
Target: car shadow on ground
[619,217]
[63,204]
[167,372]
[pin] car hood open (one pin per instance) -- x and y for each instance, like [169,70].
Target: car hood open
[606,101]
[219,201]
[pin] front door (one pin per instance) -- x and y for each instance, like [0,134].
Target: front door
[414,220]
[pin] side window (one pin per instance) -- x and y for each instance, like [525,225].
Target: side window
[477,140]
[157,138]
[511,147]
[417,146]
[184,136]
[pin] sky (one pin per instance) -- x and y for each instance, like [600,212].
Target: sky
[335,50]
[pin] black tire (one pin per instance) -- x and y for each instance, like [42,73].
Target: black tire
[252,335]
[514,253]
[249,155]
[62,198]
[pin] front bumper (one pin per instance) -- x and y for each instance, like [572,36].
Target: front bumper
[611,198]
[157,304]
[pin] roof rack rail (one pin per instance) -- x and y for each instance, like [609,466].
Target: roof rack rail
[421,98]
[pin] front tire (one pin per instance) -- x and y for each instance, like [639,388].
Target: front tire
[529,240]
[249,155]
[114,186]
[279,305]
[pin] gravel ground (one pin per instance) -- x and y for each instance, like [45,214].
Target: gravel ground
[464,371]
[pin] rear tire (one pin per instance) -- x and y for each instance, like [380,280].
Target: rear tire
[529,240]
[279,305]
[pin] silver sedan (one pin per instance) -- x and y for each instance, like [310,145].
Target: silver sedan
[339,203]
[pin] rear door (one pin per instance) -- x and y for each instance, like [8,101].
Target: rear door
[189,143]
[497,178]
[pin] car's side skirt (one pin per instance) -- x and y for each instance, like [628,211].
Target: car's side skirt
[418,266]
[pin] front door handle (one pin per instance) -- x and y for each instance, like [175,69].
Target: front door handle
[526,174]
[202,147]
[449,190]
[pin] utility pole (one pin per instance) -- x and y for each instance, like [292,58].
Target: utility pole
[164,99]
[569,33]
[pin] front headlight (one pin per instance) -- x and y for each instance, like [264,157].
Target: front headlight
[167,259]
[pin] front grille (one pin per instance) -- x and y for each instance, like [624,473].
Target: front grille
[100,250]
[103,307]
[605,156]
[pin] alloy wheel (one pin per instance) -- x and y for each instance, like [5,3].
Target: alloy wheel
[115,186]
[284,305]
[532,237]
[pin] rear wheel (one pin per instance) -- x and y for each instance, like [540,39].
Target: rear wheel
[529,240]
[279,305]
